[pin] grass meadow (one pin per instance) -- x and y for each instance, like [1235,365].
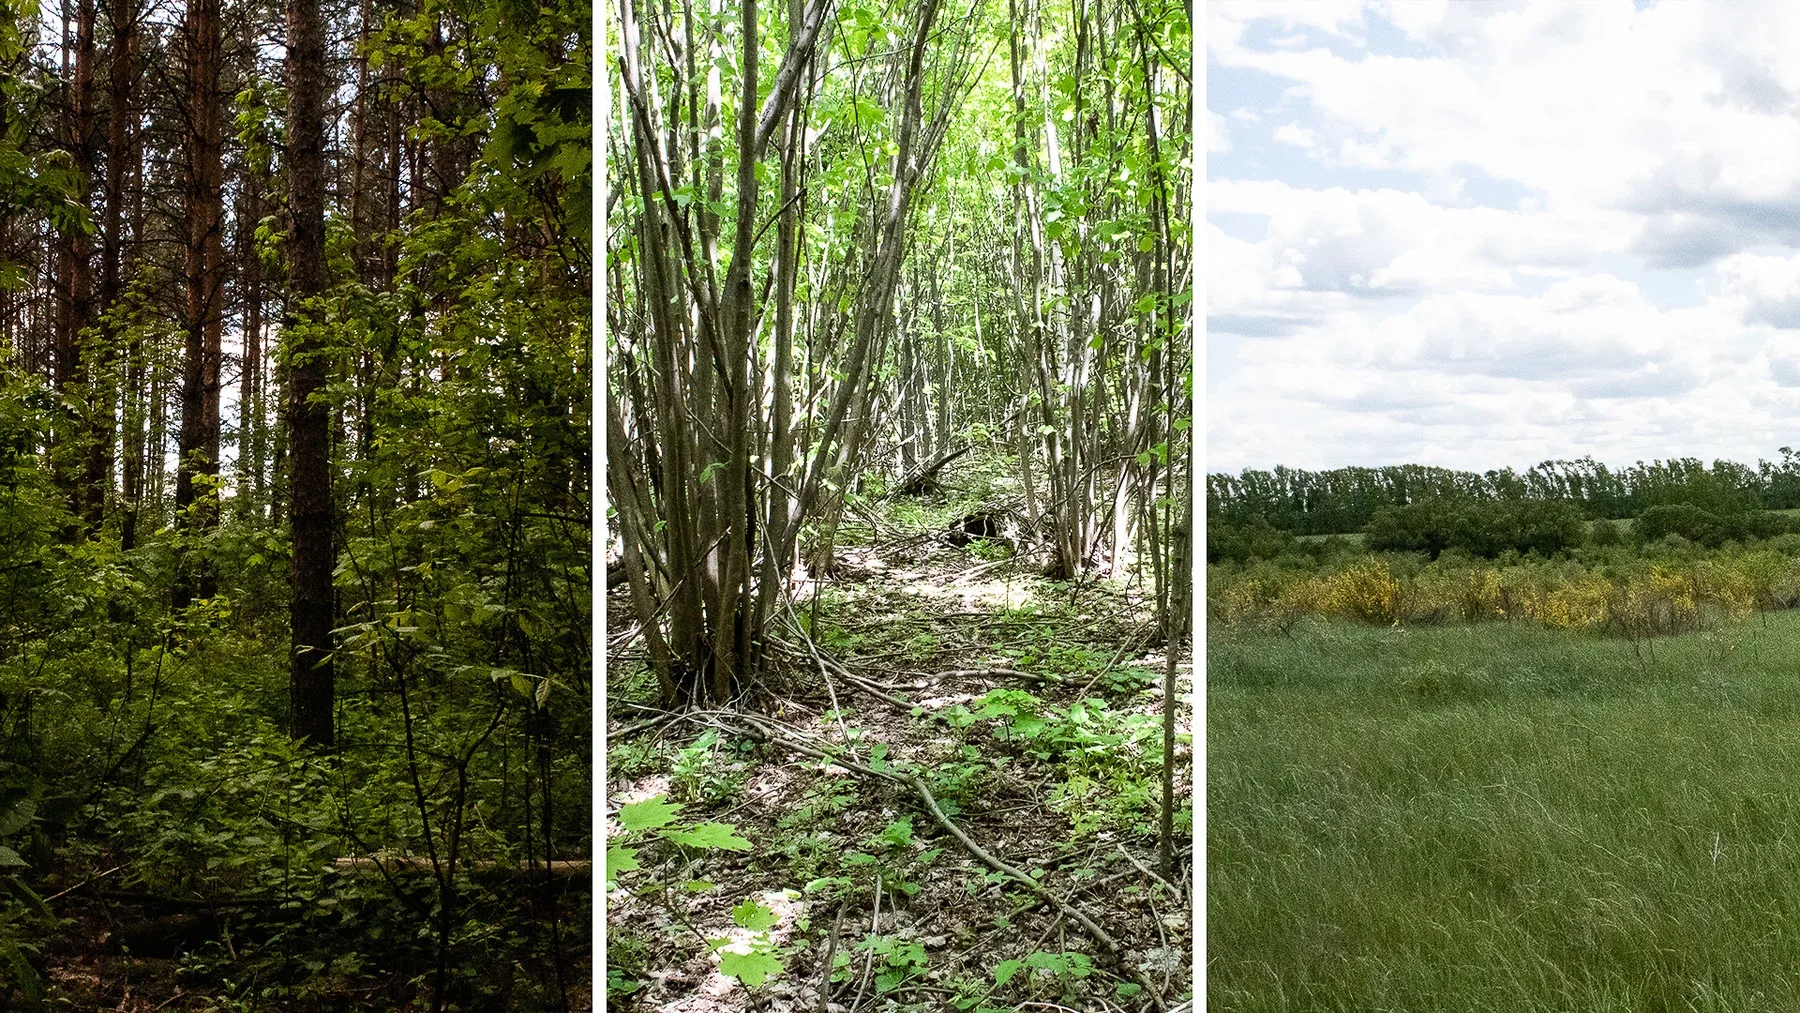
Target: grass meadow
[1503,817]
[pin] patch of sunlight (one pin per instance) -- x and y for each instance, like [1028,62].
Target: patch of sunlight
[989,593]
[649,787]
[765,936]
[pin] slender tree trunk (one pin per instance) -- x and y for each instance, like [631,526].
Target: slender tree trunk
[196,493]
[250,425]
[76,272]
[135,400]
[121,78]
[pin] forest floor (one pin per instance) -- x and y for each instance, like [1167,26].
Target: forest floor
[1030,710]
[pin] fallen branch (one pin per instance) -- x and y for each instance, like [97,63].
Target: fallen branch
[412,863]
[920,481]
[1141,867]
[85,882]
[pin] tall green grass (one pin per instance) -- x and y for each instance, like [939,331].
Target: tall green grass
[1503,818]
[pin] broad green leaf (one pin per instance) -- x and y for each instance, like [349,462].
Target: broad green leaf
[753,916]
[1004,971]
[709,835]
[620,859]
[899,833]
[647,815]
[750,968]
[16,817]
[10,857]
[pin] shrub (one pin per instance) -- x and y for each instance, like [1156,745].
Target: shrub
[1366,592]
[1710,529]
[1243,541]
[1605,533]
[1684,519]
[1486,528]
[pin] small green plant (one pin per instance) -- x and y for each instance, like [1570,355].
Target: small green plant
[1043,969]
[897,961]
[752,958]
[890,856]
[700,774]
[991,549]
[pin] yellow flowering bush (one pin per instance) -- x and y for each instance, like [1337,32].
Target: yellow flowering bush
[1367,592]
[1480,597]
[1642,599]
[1578,604]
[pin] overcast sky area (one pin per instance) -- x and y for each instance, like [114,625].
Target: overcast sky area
[1478,235]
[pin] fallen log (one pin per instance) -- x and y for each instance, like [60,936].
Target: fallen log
[413,863]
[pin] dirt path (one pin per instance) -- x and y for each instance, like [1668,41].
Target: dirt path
[1028,709]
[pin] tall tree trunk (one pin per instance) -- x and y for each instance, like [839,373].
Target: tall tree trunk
[311,682]
[196,493]
[135,399]
[76,272]
[250,426]
[121,78]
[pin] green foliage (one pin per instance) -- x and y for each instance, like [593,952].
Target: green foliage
[1241,541]
[1710,529]
[1481,528]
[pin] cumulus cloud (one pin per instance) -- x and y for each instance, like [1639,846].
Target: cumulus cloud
[1586,238]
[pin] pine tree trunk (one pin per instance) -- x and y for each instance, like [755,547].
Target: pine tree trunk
[75,271]
[196,498]
[120,78]
[311,683]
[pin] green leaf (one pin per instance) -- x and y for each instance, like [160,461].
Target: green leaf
[899,833]
[647,815]
[709,835]
[620,859]
[1004,971]
[9,857]
[750,968]
[16,817]
[753,916]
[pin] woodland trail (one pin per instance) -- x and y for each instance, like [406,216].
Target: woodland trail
[1026,709]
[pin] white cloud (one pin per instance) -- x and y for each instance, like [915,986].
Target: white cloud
[1296,135]
[1218,133]
[1591,244]
[1379,243]
[1678,108]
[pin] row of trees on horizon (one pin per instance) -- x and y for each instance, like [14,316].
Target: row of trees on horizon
[1342,500]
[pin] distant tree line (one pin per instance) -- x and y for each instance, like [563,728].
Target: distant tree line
[1343,500]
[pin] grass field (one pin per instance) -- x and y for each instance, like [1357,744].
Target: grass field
[1502,817]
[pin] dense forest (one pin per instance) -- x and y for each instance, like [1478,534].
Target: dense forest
[294,504]
[898,459]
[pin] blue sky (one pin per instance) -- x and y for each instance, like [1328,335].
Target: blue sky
[1485,234]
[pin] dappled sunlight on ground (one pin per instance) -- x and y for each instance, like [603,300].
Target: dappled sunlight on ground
[947,633]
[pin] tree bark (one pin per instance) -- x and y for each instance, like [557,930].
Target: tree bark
[76,251]
[121,79]
[310,673]
[196,492]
